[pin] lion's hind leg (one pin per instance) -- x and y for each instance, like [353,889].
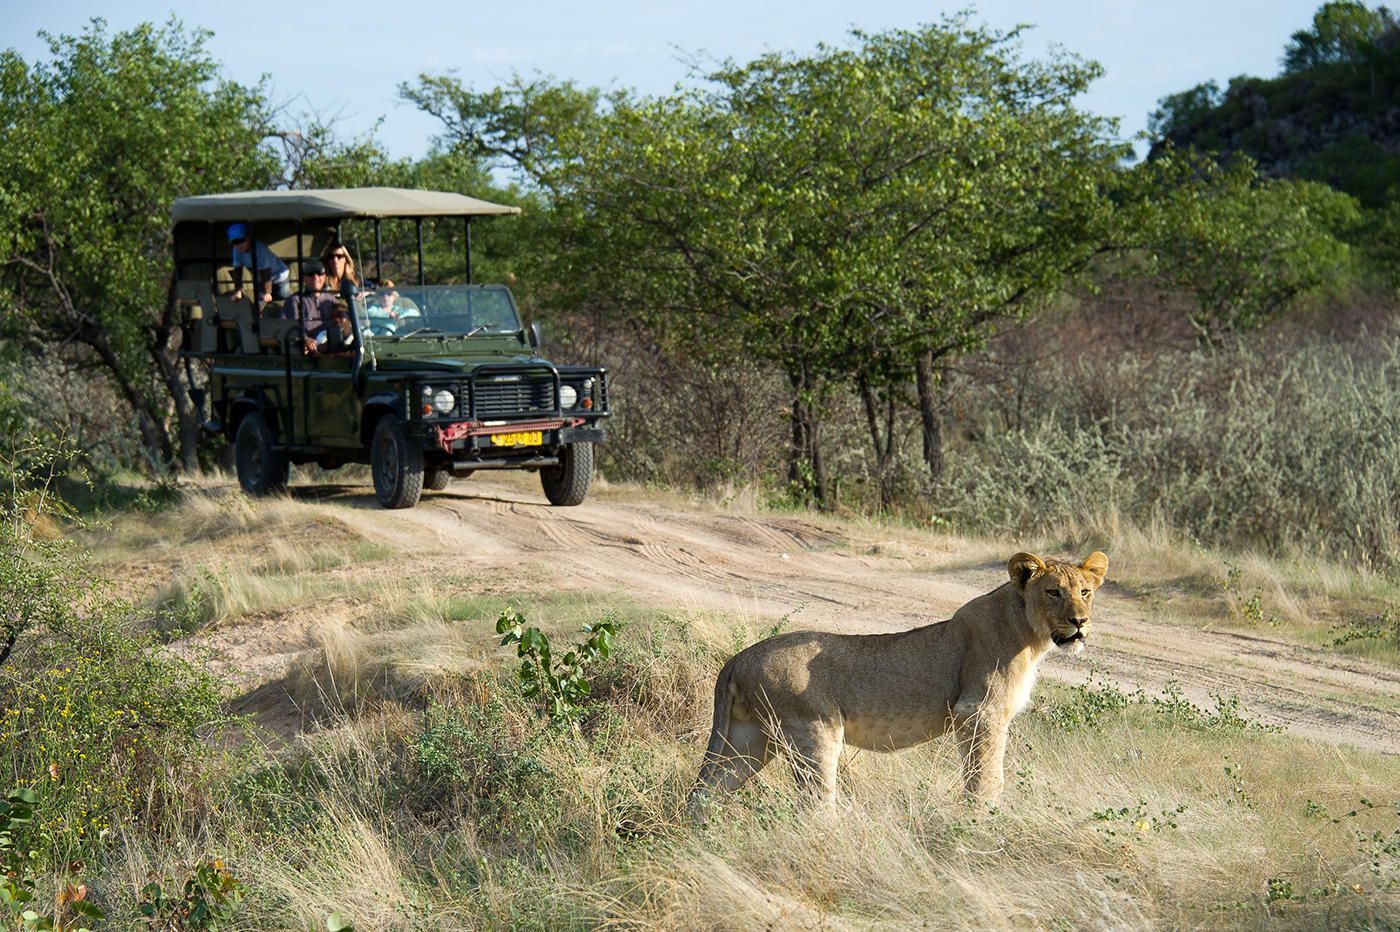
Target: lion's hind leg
[732,757]
[814,750]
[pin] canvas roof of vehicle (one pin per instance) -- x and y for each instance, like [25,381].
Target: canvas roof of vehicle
[332,203]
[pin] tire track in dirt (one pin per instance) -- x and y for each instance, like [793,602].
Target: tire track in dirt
[846,577]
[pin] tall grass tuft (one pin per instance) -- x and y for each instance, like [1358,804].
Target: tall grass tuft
[1239,449]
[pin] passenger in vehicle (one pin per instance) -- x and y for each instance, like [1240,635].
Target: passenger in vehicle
[311,305]
[270,275]
[381,312]
[339,266]
[335,335]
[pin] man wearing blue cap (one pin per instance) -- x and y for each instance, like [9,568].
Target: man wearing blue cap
[270,270]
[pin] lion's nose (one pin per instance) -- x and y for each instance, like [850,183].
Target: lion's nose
[1079,622]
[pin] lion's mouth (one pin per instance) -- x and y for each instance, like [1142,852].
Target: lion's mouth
[1064,640]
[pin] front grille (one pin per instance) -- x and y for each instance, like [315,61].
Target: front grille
[502,399]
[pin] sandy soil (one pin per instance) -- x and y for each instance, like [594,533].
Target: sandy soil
[850,576]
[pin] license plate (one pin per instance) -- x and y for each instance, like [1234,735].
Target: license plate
[524,438]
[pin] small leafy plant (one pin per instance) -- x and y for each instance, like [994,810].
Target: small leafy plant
[209,896]
[558,681]
[17,869]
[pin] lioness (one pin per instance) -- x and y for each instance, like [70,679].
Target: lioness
[807,693]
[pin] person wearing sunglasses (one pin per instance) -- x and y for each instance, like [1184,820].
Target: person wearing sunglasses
[312,305]
[339,266]
[270,275]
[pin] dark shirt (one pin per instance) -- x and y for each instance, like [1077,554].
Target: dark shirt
[311,308]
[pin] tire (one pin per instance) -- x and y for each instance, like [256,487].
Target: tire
[567,483]
[261,469]
[435,478]
[397,466]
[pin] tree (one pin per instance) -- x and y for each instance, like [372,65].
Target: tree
[850,216]
[1344,32]
[1246,248]
[1182,110]
[94,147]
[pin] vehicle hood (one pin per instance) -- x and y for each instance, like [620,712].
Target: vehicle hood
[451,363]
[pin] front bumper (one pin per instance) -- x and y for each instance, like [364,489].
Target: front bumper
[467,440]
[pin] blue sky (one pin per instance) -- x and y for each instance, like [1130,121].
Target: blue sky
[345,60]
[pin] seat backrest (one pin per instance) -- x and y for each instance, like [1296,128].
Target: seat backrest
[241,314]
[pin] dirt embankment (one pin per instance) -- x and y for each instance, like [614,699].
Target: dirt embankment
[845,576]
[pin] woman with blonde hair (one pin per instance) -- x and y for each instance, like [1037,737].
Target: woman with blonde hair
[339,266]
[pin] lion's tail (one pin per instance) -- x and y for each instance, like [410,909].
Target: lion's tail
[719,748]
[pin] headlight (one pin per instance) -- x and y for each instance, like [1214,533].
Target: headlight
[439,401]
[568,396]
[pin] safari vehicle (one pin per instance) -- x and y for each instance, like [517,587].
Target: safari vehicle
[445,382]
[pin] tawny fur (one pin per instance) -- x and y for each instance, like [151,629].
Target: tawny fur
[806,694]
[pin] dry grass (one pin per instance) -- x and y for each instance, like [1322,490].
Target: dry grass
[1138,822]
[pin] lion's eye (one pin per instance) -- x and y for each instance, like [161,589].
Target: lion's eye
[1053,593]
[1086,593]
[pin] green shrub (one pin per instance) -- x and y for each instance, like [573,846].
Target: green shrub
[105,723]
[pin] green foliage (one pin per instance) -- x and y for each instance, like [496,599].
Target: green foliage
[1343,33]
[1384,629]
[558,682]
[1246,249]
[470,755]
[94,145]
[1139,817]
[1090,706]
[208,898]
[1180,111]
[90,708]
[19,864]
[939,184]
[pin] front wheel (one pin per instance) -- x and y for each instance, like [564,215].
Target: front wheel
[397,466]
[435,478]
[261,469]
[567,483]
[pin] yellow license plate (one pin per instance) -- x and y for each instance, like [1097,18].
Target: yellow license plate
[524,438]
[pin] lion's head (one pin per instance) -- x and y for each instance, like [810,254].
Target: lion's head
[1058,596]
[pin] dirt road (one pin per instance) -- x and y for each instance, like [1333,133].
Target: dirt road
[847,576]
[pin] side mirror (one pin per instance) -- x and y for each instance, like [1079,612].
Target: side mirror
[536,335]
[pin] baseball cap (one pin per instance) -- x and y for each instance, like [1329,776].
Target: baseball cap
[236,231]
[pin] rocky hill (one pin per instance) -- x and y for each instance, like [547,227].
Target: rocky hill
[1337,122]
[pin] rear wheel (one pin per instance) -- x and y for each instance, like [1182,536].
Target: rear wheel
[261,469]
[397,466]
[435,478]
[567,483]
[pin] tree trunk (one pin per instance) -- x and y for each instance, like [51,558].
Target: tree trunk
[881,441]
[806,469]
[929,379]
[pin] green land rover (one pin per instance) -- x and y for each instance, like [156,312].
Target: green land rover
[424,382]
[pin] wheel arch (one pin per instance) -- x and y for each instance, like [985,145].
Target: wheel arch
[376,406]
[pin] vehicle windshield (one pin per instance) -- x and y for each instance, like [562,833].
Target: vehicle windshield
[435,310]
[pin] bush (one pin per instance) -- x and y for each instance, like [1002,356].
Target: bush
[107,725]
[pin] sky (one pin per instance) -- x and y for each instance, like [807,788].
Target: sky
[345,61]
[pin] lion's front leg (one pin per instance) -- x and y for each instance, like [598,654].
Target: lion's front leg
[981,737]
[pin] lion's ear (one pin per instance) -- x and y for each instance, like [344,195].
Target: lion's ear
[1095,566]
[1023,567]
